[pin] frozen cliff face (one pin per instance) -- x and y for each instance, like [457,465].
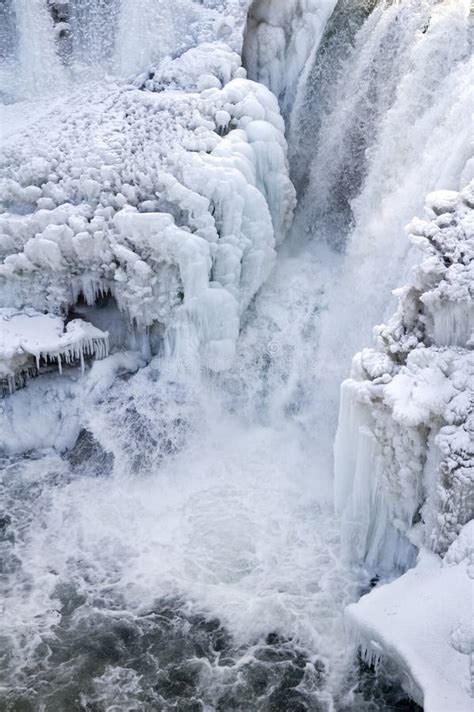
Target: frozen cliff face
[167,197]
[404,452]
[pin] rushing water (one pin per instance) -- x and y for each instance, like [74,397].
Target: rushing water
[185,554]
[390,129]
[47,46]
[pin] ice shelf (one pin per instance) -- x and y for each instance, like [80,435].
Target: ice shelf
[29,338]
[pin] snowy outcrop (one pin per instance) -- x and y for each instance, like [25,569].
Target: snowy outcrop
[169,195]
[404,453]
[422,623]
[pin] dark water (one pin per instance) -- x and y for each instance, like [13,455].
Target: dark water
[103,659]
[101,656]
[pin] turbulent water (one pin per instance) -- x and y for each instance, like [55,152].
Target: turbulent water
[185,553]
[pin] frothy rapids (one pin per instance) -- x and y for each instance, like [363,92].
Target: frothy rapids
[183,551]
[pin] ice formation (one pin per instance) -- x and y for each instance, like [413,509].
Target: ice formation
[404,448]
[404,452]
[169,194]
[141,210]
[281,42]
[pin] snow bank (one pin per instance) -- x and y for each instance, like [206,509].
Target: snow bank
[170,194]
[422,622]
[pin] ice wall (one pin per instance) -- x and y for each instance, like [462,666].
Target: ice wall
[404,457]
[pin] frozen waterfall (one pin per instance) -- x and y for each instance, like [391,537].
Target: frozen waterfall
[49,45]
[202,213]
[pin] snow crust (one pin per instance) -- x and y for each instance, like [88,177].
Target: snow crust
[423,623]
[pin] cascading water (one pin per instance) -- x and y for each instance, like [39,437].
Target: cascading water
[184,553]
[385,133]
[91,31]
[47,46]
[36,52]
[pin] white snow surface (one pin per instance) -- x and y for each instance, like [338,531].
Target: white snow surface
[423,622]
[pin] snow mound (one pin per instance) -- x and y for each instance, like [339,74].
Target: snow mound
[422,622]
[28,337]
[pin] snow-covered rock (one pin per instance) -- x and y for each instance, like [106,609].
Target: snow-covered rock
[28,338]
[404,467]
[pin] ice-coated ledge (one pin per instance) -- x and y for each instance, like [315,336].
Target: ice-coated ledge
[29,337]
[422,622]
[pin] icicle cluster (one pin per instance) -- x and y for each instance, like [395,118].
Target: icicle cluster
[30,340]
[404,451]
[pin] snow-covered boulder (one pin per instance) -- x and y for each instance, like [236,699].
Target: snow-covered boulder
[404,468]
[28,338]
